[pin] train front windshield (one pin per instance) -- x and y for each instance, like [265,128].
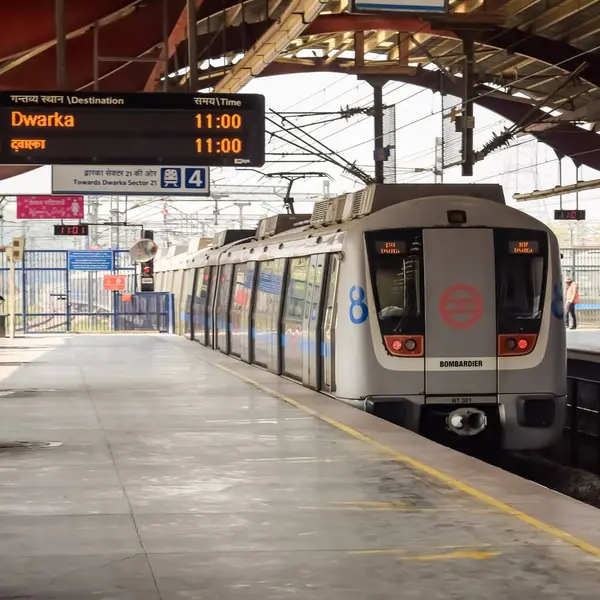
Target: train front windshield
[396,264]
[521,268]
[398,273]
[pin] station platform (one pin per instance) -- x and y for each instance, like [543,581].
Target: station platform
[583,341]
[175,472]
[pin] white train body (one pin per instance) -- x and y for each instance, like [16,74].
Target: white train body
[434,306]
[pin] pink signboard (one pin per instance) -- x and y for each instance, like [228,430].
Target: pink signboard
[50,207]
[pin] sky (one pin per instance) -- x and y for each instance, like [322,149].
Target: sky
[526,166]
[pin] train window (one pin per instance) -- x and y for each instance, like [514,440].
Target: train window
[266,311]
[243,279]
[294,301]
[520,279]
[224,286]
[396,265]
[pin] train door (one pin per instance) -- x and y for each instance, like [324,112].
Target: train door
[460,315]
[328,327]
[188,302]
[177,291]
[222,321]
[292,319]
[199,310]
[210,309]
[311,320]
[246,313]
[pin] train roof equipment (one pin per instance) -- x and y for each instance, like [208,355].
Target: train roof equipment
[270,226]
[376,197]
[228,236]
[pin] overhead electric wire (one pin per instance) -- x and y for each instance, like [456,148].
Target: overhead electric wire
[320,126]
[344,167]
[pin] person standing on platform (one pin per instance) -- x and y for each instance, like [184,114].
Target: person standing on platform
[572,300]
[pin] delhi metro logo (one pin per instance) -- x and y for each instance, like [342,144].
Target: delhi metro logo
[461,306]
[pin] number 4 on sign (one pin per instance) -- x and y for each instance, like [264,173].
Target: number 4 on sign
[195,178]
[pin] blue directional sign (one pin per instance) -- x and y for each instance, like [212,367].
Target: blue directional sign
[191,181]
[91,260]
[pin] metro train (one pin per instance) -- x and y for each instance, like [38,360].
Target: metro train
[435,306]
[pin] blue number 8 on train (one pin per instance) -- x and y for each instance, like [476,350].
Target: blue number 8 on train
[357,295]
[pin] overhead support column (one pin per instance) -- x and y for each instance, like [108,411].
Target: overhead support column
[380,152]
[468,120]
[378,130]
[192,45]
[403,43]
[61,43]
[359,48]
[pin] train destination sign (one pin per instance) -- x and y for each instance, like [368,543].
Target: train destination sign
[390,247]
[524,247]
[76,128]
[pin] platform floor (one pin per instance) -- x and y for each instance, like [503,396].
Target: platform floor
[584,340]
[176,479]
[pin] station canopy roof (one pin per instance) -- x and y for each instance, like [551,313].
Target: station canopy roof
[537,61]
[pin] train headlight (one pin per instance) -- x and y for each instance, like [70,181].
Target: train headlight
[410,345]
[517,344]
[404,345]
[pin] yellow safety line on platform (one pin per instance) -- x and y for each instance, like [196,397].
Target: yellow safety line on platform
[360,508]
[373,504]
[473,555]
[401,554]
[447,479]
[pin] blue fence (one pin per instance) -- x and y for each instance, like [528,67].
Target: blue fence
[51,297]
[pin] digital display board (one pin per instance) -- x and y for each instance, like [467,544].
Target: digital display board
[569,215]
[524,247]
[81,229]
[75,128]
[390,247]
